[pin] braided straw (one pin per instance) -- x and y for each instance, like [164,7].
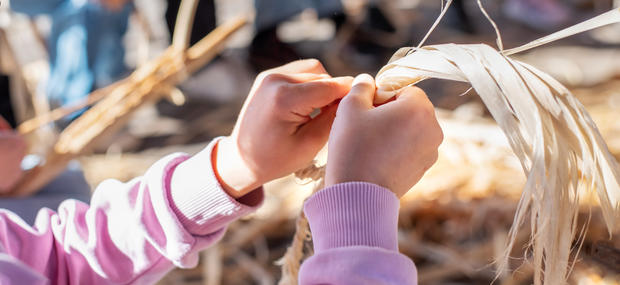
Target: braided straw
[300,247]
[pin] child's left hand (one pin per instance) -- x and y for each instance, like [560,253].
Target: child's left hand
[274,135]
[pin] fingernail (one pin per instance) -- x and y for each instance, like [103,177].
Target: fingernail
[363,78]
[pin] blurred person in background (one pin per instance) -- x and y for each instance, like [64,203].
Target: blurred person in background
[86,52]
[71,184]
[541,15]
[365,43]
[85,44]
[267,50]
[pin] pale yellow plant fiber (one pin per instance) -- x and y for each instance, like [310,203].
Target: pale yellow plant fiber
[561,151]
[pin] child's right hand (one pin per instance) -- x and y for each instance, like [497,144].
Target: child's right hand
[391,145]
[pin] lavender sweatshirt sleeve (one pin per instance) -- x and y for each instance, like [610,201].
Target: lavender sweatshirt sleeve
[131,233]
[354,228]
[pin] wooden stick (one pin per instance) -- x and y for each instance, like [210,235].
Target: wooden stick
[112,112]
[197,56]
[33,124]
[183,25]
[212,265]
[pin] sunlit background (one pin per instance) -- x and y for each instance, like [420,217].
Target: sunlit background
[454,223]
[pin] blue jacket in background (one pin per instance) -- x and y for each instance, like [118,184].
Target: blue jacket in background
[85,45]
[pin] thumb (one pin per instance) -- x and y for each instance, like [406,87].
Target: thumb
[363,91]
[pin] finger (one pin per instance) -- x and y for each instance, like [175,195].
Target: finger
[411,93]
[407,99]
[303,98]
[362,92]
[319,127]
[304,77]
[301,66]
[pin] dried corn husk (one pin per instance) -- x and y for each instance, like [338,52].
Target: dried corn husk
[556,141]
[559,147]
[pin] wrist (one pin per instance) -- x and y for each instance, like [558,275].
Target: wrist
[233,173]
[345,175]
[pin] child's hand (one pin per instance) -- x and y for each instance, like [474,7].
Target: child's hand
[391,145]
[12,151]
[274,135]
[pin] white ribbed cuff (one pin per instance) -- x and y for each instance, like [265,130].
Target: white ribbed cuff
[200,202]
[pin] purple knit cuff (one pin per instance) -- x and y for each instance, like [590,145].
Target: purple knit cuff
[353,213]
[200,202]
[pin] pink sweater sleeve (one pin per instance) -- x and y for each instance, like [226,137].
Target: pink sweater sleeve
[354,229]
[132,233]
